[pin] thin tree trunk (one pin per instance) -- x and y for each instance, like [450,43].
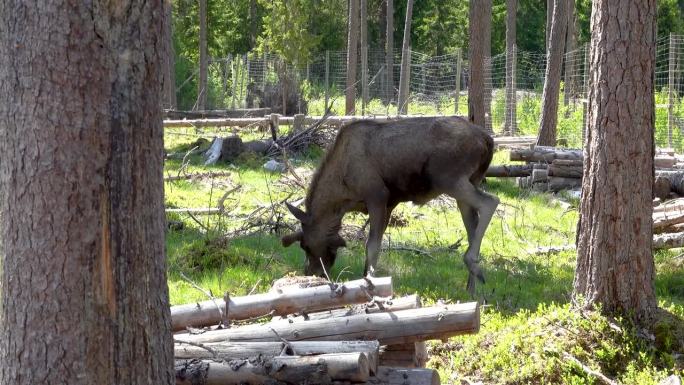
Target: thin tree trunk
[549,18]
[389,51]
[480,22]
[364,55]
[352,49]
[252,24]
[405,72]
[202,85]
[570,46]
[554,62]
[84,292]
[169,64]
[614,260]
[511,116]
[487,30]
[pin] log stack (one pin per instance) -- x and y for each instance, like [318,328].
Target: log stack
[553,169]
[324,333]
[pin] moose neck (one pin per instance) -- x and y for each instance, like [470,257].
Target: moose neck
[326,202]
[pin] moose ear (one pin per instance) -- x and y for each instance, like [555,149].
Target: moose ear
[338,241]
[289,239]
[299,214]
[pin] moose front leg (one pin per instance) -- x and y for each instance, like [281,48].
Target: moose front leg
[378,214]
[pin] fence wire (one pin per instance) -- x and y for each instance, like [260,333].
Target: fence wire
[437,85]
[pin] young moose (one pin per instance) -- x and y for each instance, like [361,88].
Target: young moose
[374,166]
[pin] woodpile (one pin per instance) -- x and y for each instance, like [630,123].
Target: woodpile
[318,333]
[554,169]
[668,224]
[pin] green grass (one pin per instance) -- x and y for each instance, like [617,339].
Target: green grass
[526,323]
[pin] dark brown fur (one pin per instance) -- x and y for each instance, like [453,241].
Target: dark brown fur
[373,166]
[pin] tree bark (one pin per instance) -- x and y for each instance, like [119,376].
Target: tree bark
[549,115]
[84,291]
[614,260]
[480,24]
[511,116]
[549,18]
[352,50]
[405,72]
[203,59]
[544,154]
[169,64]
[389,51]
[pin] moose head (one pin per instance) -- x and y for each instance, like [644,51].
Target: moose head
[317,241]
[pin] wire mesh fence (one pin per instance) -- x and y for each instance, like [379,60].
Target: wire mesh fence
[437,85]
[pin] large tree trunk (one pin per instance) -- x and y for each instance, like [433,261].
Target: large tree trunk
[405,74]
[511,116]
[554,62]
[352,49]
[169,64]
[570,46]
[84,292]
[389,51]
[203,60]
[614,260]
[480,22]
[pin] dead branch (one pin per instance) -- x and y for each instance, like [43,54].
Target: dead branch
[594,373]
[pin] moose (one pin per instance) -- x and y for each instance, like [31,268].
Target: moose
[373,166]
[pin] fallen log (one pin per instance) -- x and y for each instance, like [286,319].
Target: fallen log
[540,175]
[413,355]
[377,306]
[664,219]
[203,114]
[564,170]
[321,369]
[244,350]
[201,175]
[557,183]
[400,376]
[194,211]
[509,170]
[667,182]
[544,154]
[668,240]
[671,205]
[291,301]
[664,161]
[401,327]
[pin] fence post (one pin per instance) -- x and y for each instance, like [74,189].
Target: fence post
[364,79]
[404,82]
[670,90]
[243,94]
[234,77]
[224,80]
[511,117]
[585,101]
[264,74]
[457,90]
[327,80]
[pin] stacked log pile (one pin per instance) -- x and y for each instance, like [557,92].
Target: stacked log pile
[351,333]
[668,224]
[553,169]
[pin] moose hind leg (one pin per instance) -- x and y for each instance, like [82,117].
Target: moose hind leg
[470,219]
[467,195]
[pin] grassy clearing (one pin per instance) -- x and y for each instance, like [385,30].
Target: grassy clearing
[527,323]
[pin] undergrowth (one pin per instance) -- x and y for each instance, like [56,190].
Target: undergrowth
[528,325]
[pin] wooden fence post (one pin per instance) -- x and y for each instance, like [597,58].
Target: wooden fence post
[457,90]
[670,90]
[327,78]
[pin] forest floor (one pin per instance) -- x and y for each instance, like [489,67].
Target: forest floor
[529,330]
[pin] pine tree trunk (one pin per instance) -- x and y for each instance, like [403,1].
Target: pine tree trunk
[549,18]
[480,23]
[253,22]
[614,260]
[570,46]
[389,51]
[554,62]
[84,292]
[487,40]
[405,74]
[511,116]
[203,60]
[352,58]
[169,64]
